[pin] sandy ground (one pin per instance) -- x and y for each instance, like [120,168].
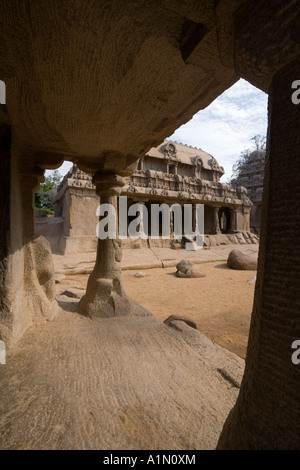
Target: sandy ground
[220,303]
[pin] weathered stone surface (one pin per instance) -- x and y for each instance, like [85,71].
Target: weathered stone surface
[70,293]
[111,379]
[103,104]
[44,266]
[139,274]
[105,296]
[243,261]
[59,278]
[252,280]
[186,268]
[192,272]
[267,412]
[76,200]
[184,265]
[173,318]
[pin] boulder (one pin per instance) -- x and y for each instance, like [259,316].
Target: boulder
[184,265]
[186,268]
[138,274]
[242,260]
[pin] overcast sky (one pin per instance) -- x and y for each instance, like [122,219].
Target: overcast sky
[225,127]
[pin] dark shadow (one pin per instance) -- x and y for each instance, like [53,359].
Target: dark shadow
[68,305]
[222,266]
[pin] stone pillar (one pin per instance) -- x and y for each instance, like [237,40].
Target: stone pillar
[194,217]
[142,232]
[232,219]
[216,224]
[29,184]
[267,412]
[171,223]
[105,296]
[26,270]
[6,316]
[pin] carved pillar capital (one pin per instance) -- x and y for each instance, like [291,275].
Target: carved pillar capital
[31,178]
[108,184]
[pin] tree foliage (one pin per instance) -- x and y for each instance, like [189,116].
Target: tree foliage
[259,142]
[44,197]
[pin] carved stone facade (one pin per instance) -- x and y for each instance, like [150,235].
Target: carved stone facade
[251,177]
[170,173]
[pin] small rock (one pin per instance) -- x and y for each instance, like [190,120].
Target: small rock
[252,280]
[186,268]
[138,274]
[75,285]
[192,272]
[184,265]
[122,305]
[59,278]
[69,293]
[172,318]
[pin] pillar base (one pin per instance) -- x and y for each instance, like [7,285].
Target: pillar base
[102,302]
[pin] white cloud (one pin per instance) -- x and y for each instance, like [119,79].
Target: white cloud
[226,126]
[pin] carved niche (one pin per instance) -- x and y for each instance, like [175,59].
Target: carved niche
[198,167]
[171,151]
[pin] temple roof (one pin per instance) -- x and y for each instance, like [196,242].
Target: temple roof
[186,154]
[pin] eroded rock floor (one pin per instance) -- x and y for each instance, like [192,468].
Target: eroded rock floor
[122,383]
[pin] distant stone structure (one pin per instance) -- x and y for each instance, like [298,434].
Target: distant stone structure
[170,173]
[251,177]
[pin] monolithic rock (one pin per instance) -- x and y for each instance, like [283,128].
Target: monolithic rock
[242,261]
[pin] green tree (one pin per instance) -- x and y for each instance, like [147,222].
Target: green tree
[44,197]
[259,141]
[260,144]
